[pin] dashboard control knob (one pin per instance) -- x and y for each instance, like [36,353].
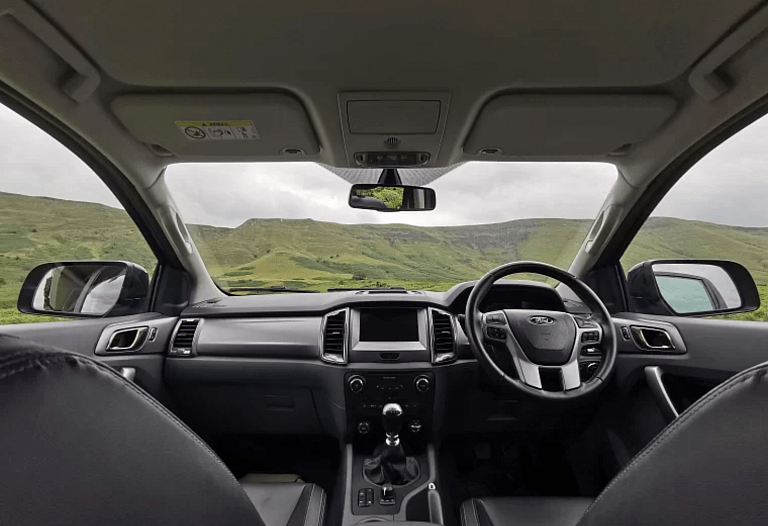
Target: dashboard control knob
[415,425]
[356,384]
[422,384]
[364,427]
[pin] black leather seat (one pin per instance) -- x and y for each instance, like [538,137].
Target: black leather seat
[524,511]
[82,446]
[708,467]
[288,504]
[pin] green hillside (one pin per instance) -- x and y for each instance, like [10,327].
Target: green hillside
[36,230]
[315,255]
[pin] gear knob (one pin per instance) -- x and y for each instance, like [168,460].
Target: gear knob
[392,419]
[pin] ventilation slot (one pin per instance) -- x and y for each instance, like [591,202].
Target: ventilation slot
[334,338]
[184,340]
[442,329]
[389,356]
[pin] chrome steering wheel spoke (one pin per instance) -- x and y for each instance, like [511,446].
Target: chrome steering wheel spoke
[544,346]
[588,334]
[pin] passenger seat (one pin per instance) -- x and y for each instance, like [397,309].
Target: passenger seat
[82,446]
[293,504]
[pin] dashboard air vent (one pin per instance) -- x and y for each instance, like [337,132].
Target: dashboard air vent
[387,291]
[444,349]
[183,341]
[334,347]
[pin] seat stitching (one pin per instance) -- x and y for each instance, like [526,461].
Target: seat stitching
[322,509]
[63,357]
[464,514]
[39,361]
[309,501]
[759,370]
[474,506]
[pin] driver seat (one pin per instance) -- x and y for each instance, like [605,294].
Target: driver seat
[707,467]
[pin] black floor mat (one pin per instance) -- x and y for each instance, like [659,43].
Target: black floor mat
[486,466]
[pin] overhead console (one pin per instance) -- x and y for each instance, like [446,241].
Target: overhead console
[393,129]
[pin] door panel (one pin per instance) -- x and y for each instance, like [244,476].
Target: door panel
[715,350]
[89,337]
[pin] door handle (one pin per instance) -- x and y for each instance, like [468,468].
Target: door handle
[127,340]
[129,373]
[653,375]
[652,339]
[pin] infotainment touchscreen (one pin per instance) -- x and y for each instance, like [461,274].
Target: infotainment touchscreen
[389,325]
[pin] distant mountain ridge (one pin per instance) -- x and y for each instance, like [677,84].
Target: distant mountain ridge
[314,254]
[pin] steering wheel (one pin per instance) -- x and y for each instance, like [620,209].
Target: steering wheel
[544,346]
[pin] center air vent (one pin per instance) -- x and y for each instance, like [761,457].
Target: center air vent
[183,342]
[443,342]
[334,345]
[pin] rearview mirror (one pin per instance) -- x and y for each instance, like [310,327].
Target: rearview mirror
[392,198]
[692,288]
[85,289]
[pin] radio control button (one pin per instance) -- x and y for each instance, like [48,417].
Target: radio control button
[422,384]
[356,384]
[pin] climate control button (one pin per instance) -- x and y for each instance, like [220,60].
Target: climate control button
[422,384]
[356,384]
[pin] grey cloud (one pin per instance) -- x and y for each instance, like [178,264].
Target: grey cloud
[228,194]
[33,163]
[728,186]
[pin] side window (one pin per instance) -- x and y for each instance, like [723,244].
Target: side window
[716,211]
[54,208]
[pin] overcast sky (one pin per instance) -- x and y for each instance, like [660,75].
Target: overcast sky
[730,186]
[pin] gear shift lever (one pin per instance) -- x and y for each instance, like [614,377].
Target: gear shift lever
[390,467]
[392,419]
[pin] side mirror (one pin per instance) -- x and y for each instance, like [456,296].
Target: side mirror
[692,287]
[392,198]
[86,289]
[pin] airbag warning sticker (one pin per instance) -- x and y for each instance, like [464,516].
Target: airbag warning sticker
[218,130]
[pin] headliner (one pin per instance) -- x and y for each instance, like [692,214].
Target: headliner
[337,45]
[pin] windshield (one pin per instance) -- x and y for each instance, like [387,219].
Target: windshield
[269,226]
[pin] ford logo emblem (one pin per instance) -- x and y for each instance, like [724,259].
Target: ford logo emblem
[541,320]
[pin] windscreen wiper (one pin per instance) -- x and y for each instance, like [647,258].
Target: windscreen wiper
[347,289]
[273,288]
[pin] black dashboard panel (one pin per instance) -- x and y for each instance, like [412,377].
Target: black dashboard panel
[285,337]
[275,364]
[289,326]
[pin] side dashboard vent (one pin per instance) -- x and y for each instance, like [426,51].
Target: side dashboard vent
[443,340]
[183,341]
[334,344]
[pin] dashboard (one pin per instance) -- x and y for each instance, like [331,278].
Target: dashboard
[328,362]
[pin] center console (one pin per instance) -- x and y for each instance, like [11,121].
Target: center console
[368,392]
[390,402]
[391,353]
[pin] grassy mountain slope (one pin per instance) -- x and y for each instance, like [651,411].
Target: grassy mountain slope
[664,237]
[36,230]
[317,255]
